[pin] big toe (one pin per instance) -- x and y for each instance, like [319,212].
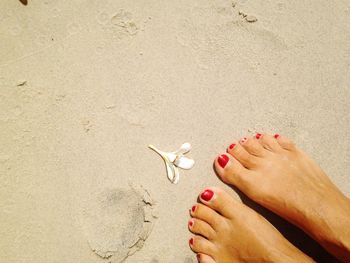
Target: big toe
[232,172]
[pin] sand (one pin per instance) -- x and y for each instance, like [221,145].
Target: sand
[87,85]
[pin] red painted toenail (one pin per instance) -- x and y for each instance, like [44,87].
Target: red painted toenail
[258,136]
[191,241]
[243,140]
[222,160]
[276,135]
[207,195]
[232,146]
[194,208]
[190,223]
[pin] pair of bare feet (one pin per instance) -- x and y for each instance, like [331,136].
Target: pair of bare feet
[273,172]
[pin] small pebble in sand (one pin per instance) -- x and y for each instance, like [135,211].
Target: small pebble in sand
[22,83]
[241,13]
[251,19]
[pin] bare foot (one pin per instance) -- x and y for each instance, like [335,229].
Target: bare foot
[227,231]
[273,172]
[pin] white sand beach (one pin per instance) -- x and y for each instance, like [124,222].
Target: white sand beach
[86,86]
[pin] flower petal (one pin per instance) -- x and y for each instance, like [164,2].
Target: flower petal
[184,162]
[176,175]
[171,156]
[170,171]
[185,148]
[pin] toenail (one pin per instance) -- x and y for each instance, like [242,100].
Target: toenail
[190,223]
[191,242]
[222,160]
[258,135]
[276,136]
[243,140]
[232,146]
[207,195]
[194,208]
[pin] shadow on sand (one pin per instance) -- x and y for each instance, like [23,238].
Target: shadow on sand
[295,235]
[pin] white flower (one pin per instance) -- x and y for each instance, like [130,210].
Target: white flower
[175,160]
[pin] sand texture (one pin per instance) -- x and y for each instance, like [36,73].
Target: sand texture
[86,86]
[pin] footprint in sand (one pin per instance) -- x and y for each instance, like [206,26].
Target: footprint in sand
[117,222]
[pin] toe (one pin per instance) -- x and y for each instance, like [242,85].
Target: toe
[284,142]
[206,214]
[201,245]
[203,258]
[220,201]
[270,143]
[233,172]
[252,146]
[242,155]
[200,227]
